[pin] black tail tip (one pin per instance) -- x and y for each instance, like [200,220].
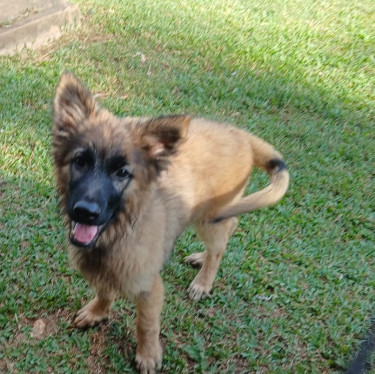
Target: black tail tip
[218,219]
[277,163]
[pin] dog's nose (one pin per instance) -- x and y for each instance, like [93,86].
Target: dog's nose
[86,211]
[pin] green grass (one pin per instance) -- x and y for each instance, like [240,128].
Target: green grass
[295,291]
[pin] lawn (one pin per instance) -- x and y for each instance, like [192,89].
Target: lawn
[295,292]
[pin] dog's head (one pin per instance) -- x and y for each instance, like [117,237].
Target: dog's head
[104,164]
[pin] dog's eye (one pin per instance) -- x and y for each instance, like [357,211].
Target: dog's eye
[123,173]
[79,161]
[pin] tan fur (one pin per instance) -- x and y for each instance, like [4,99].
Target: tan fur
[204,168]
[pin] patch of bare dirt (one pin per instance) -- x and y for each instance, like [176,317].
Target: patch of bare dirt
[2,186]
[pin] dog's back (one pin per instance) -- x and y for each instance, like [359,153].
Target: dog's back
[213,166]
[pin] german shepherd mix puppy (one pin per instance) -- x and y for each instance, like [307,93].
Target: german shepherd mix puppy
[130,186]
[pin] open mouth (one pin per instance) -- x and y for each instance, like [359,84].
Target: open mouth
[83,235]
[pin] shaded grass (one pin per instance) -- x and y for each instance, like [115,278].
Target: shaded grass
[295,290]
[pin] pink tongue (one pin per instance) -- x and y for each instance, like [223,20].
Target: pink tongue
[84,233]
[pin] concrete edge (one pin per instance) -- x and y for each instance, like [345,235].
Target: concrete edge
[39,29]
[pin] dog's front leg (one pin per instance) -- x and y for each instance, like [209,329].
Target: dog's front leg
[96,310]
[149,306]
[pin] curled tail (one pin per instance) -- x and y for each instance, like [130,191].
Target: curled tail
[267,158]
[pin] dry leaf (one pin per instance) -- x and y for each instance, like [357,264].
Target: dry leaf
[38,328]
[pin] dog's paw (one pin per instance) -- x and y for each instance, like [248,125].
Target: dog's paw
[149,363]
[90,315]
[198,291]
[196,259]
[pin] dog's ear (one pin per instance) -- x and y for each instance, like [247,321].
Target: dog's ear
[161,136]
[73,102]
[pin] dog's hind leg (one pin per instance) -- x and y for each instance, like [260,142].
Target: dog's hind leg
[215,237]
[96,310]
